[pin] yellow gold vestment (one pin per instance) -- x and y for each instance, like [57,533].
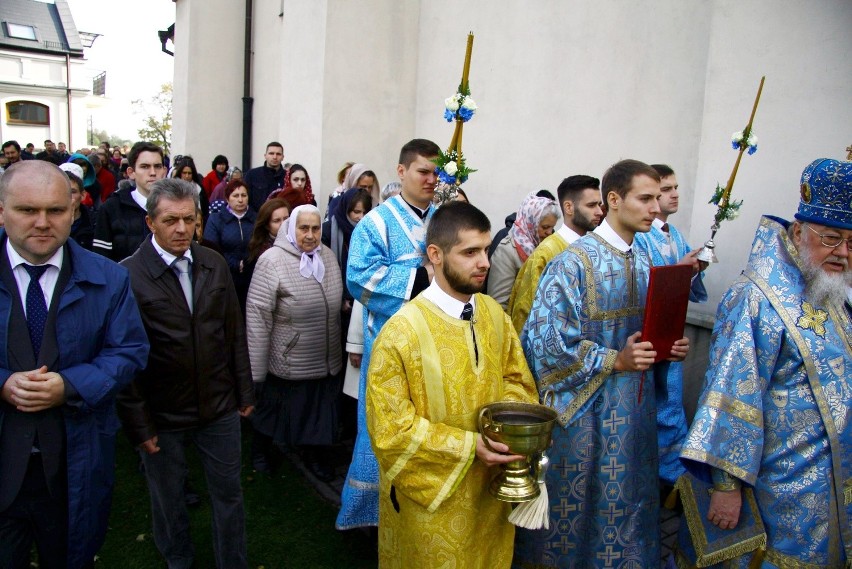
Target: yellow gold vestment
[526,283]
[424,391]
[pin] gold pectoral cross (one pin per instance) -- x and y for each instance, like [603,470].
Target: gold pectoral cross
[812,319]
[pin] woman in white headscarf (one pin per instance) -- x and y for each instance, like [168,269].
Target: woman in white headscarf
[293,326]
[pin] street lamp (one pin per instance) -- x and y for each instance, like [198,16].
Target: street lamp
[88,38]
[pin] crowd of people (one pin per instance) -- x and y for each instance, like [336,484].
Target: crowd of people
[180,305]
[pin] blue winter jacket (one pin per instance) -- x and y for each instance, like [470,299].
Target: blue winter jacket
[231,235]
[102,346]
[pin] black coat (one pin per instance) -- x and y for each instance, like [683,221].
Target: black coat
[198,369]
[120,227]
[83,229]
[262,181]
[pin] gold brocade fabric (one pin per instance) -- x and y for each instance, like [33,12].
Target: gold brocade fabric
[526,283]
[424,392]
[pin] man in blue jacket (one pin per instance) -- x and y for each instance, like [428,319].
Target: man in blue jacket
[71,337]
[265,179]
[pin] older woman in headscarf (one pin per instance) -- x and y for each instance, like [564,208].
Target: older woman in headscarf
[536,219]
[293,327]
[218,194]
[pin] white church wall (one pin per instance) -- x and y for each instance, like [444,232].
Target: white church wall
[803,49]
[563,88]
[208,81]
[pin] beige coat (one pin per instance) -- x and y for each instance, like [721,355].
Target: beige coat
[505,265]
[293,322]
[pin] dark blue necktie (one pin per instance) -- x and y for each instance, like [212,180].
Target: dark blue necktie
[36,307]
[467,314]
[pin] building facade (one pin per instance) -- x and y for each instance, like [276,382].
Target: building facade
[42,87]
[563,87]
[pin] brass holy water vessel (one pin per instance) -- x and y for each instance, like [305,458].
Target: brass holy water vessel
[526,429]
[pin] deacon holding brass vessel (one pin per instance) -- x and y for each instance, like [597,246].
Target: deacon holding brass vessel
[526,429]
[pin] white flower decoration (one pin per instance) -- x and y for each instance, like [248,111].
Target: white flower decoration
[451,168]
[469,104]
[452,103]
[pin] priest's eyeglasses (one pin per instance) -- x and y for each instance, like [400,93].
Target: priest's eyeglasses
[829,240]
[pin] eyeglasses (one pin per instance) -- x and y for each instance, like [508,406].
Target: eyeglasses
[829,240]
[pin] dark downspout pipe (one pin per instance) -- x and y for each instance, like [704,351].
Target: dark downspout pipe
[68,93]
[248,101]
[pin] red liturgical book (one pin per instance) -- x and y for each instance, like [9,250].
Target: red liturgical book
[665,307]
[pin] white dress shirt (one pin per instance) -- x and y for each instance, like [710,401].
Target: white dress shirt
[451,306]
[568,234]
[166,256]
[609,235]
[22,277]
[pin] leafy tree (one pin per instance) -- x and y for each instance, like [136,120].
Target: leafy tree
[98,136]
[157,117]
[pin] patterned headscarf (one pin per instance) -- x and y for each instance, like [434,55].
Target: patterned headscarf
[309,194]
[524,231]
[310,265]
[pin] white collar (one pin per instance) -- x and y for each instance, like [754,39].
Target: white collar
[609,235]
[168,258]
[451,306]
[140,200]
[15,258]
[658,223]
[568,234]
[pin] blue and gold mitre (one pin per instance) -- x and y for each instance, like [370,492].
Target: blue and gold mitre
[826,196]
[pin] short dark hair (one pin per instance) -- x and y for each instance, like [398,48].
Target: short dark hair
[46,140]
[663,170]
[9,143]
[220,159]
[30,144]
[417,147]
[545,194]
[619,177]
[451,219]
[571,187]
[274,143]
[232,186]
[139,148]
[74,179]
[362,197]
[171,189]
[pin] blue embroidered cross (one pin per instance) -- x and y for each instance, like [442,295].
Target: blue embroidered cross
[609,555]
[613,468]
[614,422]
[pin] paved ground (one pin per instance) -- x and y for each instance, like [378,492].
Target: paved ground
[669,520]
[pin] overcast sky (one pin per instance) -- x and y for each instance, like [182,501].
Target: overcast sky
[130,53]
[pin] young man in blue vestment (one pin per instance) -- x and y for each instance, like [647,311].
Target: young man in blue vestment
[581,340]
[776,411]
[387,267]
[665,245]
